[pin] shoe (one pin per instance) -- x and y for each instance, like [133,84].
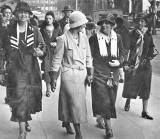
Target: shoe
[78,137]
[127,105]
[27,127]
[109,133]
[22,135]
[146,116]
[121,81]
[68,128]
[100,123]
[48,93]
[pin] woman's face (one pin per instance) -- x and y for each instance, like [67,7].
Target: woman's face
[82,28]
[140,24]
[106,28]
[23,16]
[7,13]
[49,19]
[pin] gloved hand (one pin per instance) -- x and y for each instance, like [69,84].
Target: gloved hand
[114,63]
[53,85]
[89,78]
[53,75]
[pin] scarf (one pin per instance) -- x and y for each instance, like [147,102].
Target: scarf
[139,45]
[103,39]
[14,36]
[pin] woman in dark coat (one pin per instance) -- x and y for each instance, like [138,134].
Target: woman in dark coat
[139,70]
[24,86]
[50,30]
[107,50]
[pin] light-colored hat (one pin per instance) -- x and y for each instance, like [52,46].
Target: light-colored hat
[77,19]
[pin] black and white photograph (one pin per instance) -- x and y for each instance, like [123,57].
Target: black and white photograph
[79,69]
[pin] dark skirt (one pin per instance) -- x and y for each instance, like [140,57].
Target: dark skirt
[139,83]
[24,88]
[103,99]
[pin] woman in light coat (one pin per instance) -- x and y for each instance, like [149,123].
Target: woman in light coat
[73,54]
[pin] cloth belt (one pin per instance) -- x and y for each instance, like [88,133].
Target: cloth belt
[74,66]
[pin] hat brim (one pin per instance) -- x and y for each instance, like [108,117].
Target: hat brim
[67,10]
[30,12]
[99,23]
[75,25]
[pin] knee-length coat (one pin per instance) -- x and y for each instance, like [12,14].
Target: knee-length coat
[138,82]
[74,59]
[104,97]
[23,73]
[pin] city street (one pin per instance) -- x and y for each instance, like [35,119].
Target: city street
[128,125]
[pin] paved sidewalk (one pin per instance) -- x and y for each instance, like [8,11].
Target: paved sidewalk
[128,125]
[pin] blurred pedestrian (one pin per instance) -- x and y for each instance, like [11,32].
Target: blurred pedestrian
[50,30]
[21,44]
[5,21]
[124,32]
[6,11]
[64,22]
[139,70]
[107,53]
[73,54]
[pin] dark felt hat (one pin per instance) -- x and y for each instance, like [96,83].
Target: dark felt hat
[91,25]
[140,16]
[107,19]
[67,8]
[23,6]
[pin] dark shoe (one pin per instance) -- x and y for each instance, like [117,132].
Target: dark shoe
[127,105]
[27,127]
[100,123]
[146,116]
[121,81]
[68,128]
[109,133]
[48,93]
[78,137]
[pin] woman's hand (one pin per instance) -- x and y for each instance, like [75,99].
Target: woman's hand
[114,63]
[38,52]
[53,44]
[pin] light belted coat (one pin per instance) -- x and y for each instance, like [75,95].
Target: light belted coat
[74,59]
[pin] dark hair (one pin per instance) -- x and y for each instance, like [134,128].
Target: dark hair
[55,23]
[4,7]
[50,13]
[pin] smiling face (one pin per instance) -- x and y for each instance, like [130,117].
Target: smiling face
[22,16]
[49,19]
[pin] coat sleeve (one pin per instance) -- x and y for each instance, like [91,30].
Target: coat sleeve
[88,55]
[58,55]
[122,51]
[39,41]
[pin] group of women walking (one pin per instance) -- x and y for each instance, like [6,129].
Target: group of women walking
[94,61]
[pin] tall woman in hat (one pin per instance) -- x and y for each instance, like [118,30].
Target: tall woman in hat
[107,50]
[138,69]
[24,85]
[73,54]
